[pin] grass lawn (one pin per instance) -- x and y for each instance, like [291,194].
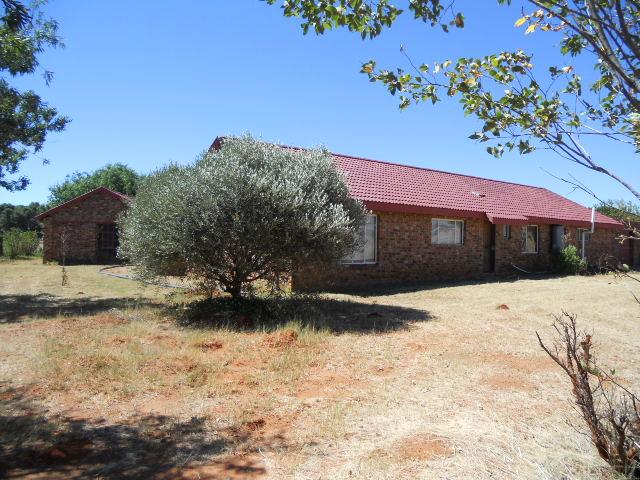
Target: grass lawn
[99,380]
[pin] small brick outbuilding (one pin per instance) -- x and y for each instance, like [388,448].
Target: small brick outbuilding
[86,226]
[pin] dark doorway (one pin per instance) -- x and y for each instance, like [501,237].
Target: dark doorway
[107,244]
[489,243]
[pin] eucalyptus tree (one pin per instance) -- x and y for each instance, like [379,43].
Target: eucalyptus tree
[246,211]
[520,107]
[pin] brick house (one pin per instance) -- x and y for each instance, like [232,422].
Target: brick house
[431,225]
[89,224]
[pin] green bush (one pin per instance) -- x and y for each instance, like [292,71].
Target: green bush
[568,261]
[19,243]
[246,212]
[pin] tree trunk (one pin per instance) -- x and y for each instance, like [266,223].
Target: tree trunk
[234,290]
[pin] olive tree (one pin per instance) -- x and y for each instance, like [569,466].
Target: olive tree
[246,211]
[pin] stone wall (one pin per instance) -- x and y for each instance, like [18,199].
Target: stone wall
[81,221]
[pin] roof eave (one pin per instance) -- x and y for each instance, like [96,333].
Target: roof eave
[80,198]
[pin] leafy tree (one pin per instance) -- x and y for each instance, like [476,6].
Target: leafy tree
[520,108]
[247,211]
[621,209]
[116,177]
[25,119]
[19,216]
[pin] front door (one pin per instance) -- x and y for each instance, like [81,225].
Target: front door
[489,251]
[107,243]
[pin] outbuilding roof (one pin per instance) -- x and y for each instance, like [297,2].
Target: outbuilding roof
[80,198]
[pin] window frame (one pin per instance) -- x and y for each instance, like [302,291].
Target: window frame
[455,220]
[506,231]
[582,232]
[345,261]
[525,230]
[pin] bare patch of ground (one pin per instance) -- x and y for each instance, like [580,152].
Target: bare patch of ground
[440,383]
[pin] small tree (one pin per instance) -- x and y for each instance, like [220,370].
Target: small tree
[63,238]
[247,211]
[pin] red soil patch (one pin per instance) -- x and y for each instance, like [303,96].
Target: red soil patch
[209,345]
[509,382]
[245,466]
[268,431]
[422,447]
[522,364]
[416,347]
[323,384]
[170,366]
[68,451]
[282,339]
[165,340]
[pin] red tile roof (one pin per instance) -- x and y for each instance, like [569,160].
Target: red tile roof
[386,186]
[394,187]
[80,198]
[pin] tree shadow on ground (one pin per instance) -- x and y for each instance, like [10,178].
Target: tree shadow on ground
[314,311]
[33,443]
[14,308]
[412,287]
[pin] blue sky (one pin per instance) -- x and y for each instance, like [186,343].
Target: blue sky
[146,83]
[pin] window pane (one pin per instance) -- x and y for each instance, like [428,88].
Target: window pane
[370,239]
[531,242]
[458,230]
[366,237]
[446,232]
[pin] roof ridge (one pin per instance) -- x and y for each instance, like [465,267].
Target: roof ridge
[432,170]
[221,138]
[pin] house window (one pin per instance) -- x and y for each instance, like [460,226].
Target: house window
[530,240]
[367,236]
[447,232]
[584,232]
[557,238]
[506,231]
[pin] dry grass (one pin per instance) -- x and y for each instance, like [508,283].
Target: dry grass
[446,385]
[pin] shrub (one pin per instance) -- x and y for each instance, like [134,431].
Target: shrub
[611,412]
[246,212]
[568,261]
[18,243]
